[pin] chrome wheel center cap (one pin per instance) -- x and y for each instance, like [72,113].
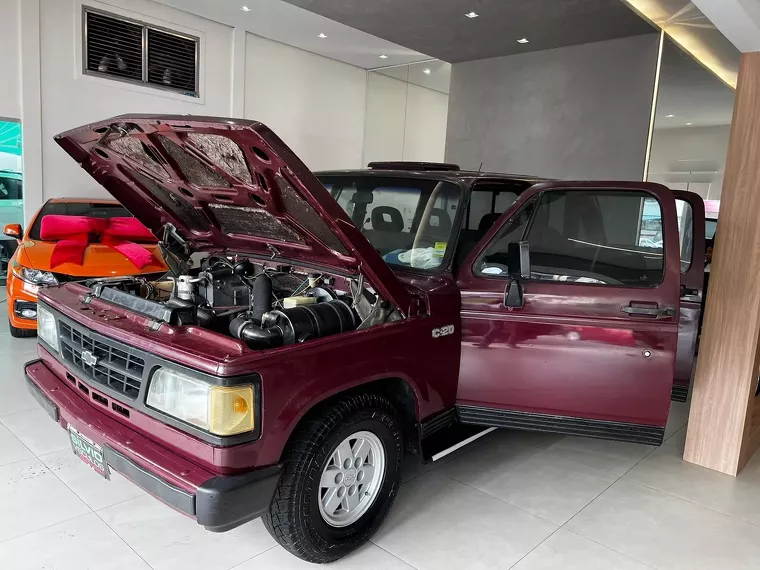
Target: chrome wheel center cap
[350,477]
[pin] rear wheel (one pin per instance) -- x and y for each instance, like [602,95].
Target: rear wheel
[21,333]
[341,474]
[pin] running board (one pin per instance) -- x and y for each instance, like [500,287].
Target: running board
[619,431]
[679,393]
[444,434]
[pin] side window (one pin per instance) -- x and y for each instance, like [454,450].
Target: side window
[493,262]
[598,237]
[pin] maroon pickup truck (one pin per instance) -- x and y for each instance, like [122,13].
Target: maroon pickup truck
[315,328]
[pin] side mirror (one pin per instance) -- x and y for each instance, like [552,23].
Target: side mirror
[518,268]
[13,230]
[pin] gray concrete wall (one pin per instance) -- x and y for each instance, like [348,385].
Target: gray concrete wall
[577,112]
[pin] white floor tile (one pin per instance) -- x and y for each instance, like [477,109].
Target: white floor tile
[11,448]
[677,418]
[31,498]
[37,431]
[666,532]
[615,457]
[368,557]
[93,489]
[438,523]
[16,397]
[565,550]
[544,483]
[168,540]
[85,543]
[665,470]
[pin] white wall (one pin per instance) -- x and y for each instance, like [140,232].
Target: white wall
[71,99]
[315,104]
[10,56]
[404,121]
[690,158]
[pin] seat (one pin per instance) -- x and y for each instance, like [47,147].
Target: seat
[387,219]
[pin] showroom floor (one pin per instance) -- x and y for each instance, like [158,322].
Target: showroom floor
[512,500]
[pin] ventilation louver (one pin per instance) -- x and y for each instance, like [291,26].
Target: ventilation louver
[133,51]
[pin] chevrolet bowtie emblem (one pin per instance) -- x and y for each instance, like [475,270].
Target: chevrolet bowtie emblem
[89,358]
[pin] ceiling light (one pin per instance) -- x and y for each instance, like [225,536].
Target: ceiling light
[669,116]
[245,8]
[426,71]
[323,36]
[523,41]
[689,124]
[472,14]
[383,56]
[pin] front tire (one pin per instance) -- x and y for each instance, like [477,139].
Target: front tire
[341,473]
[21,333]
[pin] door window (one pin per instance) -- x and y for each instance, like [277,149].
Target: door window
[592,237]
[493,262]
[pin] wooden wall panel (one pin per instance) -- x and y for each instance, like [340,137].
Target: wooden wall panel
[722,432]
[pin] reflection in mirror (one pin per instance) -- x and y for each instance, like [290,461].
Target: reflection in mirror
[691,130]
[11,189]
[407,111]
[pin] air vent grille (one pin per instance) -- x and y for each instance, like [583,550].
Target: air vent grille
[128,50]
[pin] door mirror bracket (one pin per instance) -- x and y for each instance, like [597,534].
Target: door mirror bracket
[518,268]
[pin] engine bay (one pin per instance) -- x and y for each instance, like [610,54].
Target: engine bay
[263,305]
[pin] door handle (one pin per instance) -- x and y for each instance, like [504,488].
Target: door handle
[655,312]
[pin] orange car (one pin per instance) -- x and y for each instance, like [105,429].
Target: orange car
[60,246]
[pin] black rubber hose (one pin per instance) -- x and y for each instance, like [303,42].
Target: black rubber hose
[253,335]
[262,297]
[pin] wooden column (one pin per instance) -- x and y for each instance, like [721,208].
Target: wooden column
[724,423]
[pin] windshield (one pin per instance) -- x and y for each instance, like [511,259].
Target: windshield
[409,221]
[89,209]
[710,227]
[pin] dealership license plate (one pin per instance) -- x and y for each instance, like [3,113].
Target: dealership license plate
[89,452]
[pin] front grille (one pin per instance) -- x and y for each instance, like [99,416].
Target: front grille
[101,361]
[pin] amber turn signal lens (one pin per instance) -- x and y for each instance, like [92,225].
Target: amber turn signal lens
[231,410]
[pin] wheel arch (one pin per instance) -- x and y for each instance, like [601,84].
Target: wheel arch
[398,391]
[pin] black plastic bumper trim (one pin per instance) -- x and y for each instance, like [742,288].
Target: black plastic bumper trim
[223,503]
[529,421]
[168,493]
[42,399]
[679,393]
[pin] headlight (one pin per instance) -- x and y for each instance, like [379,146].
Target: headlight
[46,327]
[33,276]
[220,410]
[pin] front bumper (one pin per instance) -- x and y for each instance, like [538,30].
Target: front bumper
[17,292]
[217,502]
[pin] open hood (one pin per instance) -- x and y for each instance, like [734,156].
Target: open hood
[226,185]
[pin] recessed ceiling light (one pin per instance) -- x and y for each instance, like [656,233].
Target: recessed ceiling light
[689,124]
[427,71]
[245,8]
[472,14]
[323,36]
[669,116]
[523,41]
[383,56]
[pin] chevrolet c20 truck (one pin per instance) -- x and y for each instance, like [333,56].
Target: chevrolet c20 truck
[315,328]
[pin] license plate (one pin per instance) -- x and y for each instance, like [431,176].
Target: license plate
[89,452]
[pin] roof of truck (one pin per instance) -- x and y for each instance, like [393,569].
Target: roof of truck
[432,170]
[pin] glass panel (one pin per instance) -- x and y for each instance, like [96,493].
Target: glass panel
[407,220]
[494,262]
[602,238]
